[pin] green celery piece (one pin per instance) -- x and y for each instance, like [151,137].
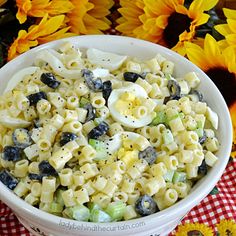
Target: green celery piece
[99,216]
[58,197]
[199,132]
[179,177]
[97,144]
[167,137]
[181,115]
[67,213]
[83,101]
[160,118]
[116,210]
[80,213]
[100,147]
[169,175]
[168,76]
[55,207]
[93,206]
[199,124]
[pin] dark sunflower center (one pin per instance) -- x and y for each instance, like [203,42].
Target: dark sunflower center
[194,233]
[226,83]
[177,24]
[228,233]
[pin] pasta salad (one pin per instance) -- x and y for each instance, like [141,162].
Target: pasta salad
[101,137]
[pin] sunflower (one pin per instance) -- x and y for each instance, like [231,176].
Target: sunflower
[89,16]
[228,30]
[38,8]
[132,17]
[45,31]
[215,62]
[170,23]
[194,229]
[226,228]
[165,22]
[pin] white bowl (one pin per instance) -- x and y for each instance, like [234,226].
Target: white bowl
[161,223]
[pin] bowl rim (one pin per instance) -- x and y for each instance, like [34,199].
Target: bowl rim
[14,201]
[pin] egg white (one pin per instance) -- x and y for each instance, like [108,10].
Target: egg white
[127,121]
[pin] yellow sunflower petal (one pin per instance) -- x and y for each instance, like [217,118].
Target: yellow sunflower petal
[89,16]
[212,51]
[202,20]
[231,39]
[47,27]
[202,5]
[226,227]
[229,13]
[232,25]
[57,35]
[223,29]
[229,52]
[23,7]
[202,229]
[196,54]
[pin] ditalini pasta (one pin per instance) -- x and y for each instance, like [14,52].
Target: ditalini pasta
[102,137]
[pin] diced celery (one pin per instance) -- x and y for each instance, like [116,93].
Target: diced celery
[168,76]
[93,206]
[80,213]
[181,115]
[55,207]
[167,136]
[179,177]
[100,148]
[116,210]
[58,197]
[199,132]
[160,118]
[199,124]
[83,101]
[68,213]
[169,175]
[99,216]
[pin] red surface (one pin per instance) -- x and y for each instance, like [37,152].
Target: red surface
[210,211]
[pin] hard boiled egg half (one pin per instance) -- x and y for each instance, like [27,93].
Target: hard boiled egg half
[131,106]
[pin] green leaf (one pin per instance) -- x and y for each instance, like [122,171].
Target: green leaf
[214,191]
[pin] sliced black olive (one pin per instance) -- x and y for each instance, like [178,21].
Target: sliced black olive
[203,138]
[94,84]
[149,154]
[131,76]
[50,80]
[37,177]
[11,153]
[174,88]
[167,99]
[46,169]
[7,179]
[107,88]
[66,137]
[98,131]
[21,138]
[145,205]
[35,97]
[202,169]
[91,112]
[197,94]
